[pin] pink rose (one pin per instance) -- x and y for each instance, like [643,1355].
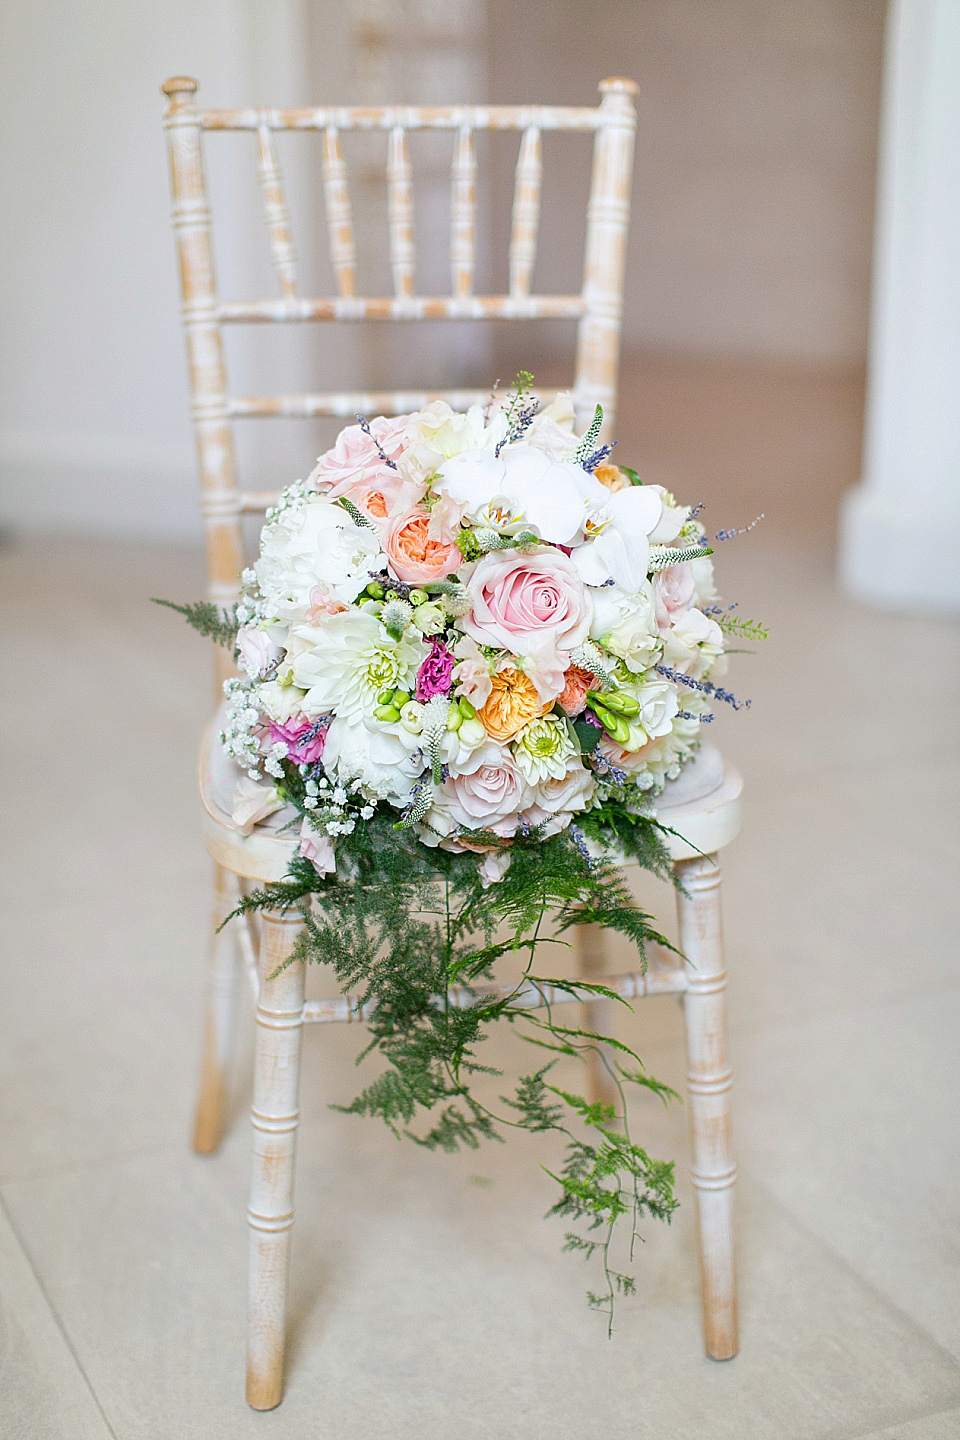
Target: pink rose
[556,801]
[488,793]
[303,738]
[355,456]
[413,556]
[528,603]
[673,593]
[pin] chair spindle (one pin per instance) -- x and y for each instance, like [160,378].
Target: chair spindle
[400,212]
[463,213]
[339,214]
[277,214]
[526,212]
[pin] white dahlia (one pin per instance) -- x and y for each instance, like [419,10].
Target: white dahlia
[349,659]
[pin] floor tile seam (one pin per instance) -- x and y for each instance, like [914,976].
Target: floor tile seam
[55,1316]
[865,1281]
[82,1167]
[905,1418]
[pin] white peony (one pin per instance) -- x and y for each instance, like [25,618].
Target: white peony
[312,545]
[348,660]
[374,755]
[626,624]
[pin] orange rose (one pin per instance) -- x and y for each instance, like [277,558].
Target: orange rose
[611,476]
[413,556]
[573,696]
[513,703]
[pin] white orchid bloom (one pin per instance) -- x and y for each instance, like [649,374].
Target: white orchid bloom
[517,490]
[616,533]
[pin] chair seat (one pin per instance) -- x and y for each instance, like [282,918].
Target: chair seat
[703,807]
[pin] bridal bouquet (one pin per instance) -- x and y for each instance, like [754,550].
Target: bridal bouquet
[477,621]
[472,651]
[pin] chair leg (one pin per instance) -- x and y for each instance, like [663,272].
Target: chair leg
[708,1083]
[597,1014]
[218,1021]
[275,1116]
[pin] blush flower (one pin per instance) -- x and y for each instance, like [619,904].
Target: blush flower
[526,602]
[412,555]
[573,696]
[487,794]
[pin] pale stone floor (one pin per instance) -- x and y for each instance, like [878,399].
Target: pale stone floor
[429,1297]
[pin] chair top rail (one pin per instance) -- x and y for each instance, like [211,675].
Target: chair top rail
[408,117]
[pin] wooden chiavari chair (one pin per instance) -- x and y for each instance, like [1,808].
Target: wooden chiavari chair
[707,822]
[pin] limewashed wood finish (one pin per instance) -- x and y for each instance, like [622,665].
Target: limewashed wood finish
[262,857]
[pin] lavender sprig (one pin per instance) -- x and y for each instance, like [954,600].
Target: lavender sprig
[364,424]
[706,687]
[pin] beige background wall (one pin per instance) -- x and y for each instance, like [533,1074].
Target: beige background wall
[751,225]
[756,154]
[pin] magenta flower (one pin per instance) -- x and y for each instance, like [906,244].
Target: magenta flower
[304,740]
[435,676]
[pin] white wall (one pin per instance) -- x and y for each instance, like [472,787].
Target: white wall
[751,226]
[94,420]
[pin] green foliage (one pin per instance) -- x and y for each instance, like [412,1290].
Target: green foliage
[218,625]
[737,625]
[414,921]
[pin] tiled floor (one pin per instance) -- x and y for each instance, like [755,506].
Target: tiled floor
[429,1297]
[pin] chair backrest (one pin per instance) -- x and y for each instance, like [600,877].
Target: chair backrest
[597,307]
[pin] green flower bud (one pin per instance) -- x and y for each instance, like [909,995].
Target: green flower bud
[375,590]
[385,697]
[429,619]
[454,718]
[418,597]
[467,710]
[616,727]
[621,704]
[389,714]
[399,698]
[411,717]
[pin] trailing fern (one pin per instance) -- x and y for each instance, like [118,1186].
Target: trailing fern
[412,922]
[217,625]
